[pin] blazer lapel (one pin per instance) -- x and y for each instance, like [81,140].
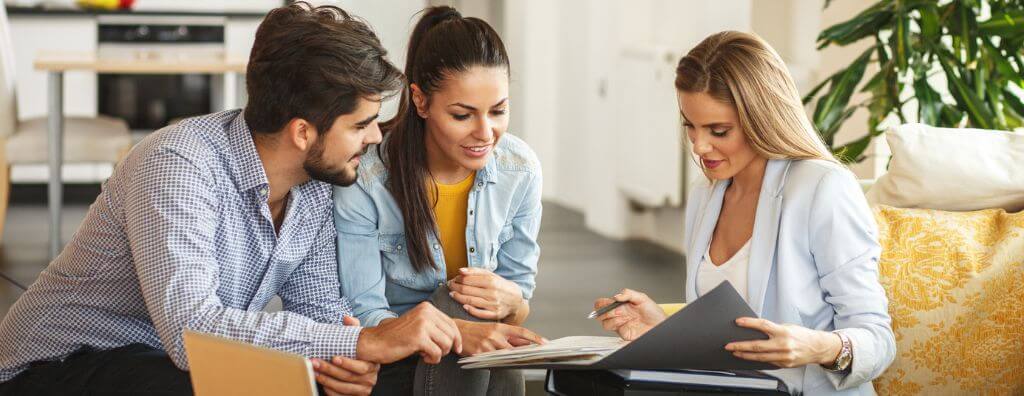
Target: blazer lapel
[702,230]
[766,233]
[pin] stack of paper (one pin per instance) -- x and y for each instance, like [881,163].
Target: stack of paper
[581,350]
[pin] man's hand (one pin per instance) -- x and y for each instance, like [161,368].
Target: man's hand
[482,337]
[344,376]
[424,330]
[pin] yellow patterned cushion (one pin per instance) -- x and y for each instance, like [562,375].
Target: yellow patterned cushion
[955,282]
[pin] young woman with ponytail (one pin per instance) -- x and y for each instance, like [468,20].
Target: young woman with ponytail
[446,210]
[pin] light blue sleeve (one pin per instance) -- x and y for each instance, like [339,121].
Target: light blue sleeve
[360,270]
[517,257]
[844,244]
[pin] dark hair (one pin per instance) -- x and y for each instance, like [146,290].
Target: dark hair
[443,44]
[313,63]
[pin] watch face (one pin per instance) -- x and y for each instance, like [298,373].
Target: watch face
[844,360]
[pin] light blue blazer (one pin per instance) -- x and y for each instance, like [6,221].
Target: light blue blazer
[813,263]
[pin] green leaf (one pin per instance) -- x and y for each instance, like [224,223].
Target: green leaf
[852,152]
[1005,24]
[814,91]
[877,82]
[1002,64]
[929,103]
[977,111]
[1012,120]
[966,25]
[829,134]
[930,28]
[881,103]
[951,116]
[864,24]
[829,112]
[878,109]
[1013,102]
[901,41]
[995,99]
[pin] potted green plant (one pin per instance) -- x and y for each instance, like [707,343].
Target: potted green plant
[951,63]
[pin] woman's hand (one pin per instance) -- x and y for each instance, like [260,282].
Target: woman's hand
[633,319]
[479,337]
[486,295]
[787,345]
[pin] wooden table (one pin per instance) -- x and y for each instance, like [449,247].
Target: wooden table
[56,63]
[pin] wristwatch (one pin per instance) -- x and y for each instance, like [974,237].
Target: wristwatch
[845,355]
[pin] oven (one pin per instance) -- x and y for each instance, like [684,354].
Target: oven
[151,101]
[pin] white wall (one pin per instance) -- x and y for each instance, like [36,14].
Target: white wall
[393,21]
[566,55]
[33,35]
[564,60]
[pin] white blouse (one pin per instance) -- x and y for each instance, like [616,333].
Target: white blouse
[734,270]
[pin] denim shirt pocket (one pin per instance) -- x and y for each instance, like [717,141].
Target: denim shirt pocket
[398,268]
[504,236]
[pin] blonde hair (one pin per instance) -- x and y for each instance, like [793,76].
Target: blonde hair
[742,70]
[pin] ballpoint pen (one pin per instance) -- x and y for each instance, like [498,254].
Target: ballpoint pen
[605,309]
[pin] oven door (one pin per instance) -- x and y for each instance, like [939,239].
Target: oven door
[150,101]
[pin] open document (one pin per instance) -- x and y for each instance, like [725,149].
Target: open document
[693,338]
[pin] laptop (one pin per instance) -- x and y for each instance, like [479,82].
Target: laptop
[220,366]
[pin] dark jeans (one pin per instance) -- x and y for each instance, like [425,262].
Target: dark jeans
[412,376]
[134,369]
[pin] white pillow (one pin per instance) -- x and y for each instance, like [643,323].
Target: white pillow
[952,169]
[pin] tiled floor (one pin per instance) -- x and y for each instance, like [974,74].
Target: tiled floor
[23,251]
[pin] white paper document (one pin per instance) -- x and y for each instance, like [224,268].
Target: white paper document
[581,350]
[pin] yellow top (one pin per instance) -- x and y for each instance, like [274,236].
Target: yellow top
[671,309]
[450,214]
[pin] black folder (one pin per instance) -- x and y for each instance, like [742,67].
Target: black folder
[693,338]
[605,383]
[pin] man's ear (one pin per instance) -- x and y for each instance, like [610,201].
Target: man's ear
[300,134]
[419,99]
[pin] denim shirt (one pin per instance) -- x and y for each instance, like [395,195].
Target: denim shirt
[501,233]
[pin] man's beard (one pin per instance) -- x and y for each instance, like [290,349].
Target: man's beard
[317,168]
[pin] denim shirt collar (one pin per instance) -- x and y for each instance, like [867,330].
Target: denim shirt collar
[489,173]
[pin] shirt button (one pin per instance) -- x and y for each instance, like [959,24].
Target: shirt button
[471,212]
[472,250]
[398,247]
[439,284]
[437,247]
[263,191]
[480,184]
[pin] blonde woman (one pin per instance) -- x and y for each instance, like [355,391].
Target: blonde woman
[780,219]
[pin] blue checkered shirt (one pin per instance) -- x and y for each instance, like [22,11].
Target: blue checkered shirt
[182,237]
